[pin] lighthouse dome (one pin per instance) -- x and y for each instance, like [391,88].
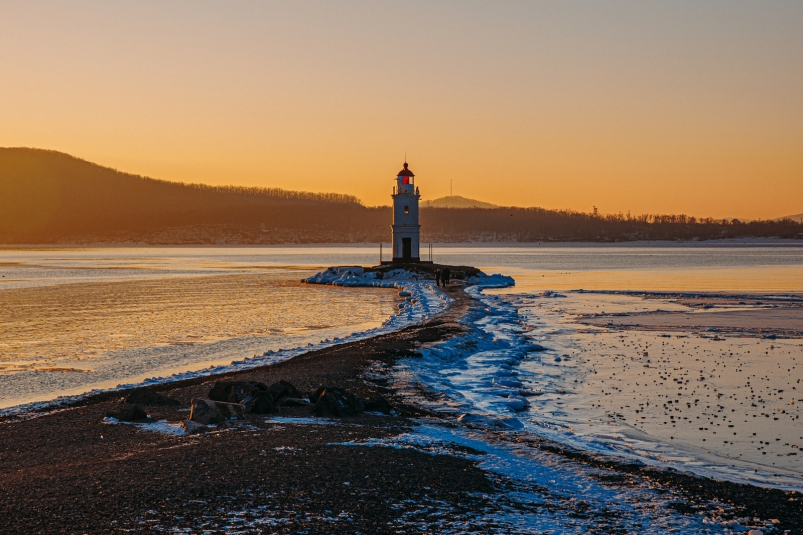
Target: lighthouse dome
[405,171]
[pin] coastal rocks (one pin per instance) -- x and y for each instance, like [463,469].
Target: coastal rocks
[192,428]
[377,404]
[148,396]
[320,391]
[205,412]
[335,401]
[293,402]
[284,389]
[232,400]
[257,398]
[129,413]
[330,404]
[231,411]
[259,402]
[235,391]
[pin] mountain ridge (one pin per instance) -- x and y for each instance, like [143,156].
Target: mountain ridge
[456,201]
[796,217]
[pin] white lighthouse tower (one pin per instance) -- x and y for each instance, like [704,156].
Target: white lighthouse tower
[405,225]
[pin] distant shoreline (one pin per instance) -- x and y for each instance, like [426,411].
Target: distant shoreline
[785,242]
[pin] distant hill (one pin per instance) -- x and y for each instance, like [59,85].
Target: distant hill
[796,217]
[48,197]
[456,201]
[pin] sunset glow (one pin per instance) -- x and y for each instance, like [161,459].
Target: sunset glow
[652,108]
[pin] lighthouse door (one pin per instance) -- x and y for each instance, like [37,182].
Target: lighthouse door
[407,248]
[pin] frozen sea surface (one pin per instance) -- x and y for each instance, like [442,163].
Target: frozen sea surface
[720,406]
[76,321]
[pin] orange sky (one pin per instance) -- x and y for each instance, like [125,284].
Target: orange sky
[659,108]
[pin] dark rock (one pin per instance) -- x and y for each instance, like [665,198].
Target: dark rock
[334,401]
[260,402]
[321,389]
[293,402]
[205,412]
[231,411]
[233,391]
[377,404]
[129,413]
[191,428]
[147,396]
[327,405]
[282,389]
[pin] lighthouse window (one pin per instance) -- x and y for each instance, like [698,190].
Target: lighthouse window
[406,209]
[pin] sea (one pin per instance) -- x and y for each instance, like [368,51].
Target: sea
[76,320]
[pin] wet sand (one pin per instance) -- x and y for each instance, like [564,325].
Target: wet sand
[68,472]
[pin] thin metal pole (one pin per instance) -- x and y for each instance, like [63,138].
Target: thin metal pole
[380,254]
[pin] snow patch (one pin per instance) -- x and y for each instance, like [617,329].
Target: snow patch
[544,492]
[162,426]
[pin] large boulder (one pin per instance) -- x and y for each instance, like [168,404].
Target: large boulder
[327,405]
[205,412]
[234,391]
[260,402]
[284,389]
[293,402]
[377,404]
[147,396]
[231,411]
[192,428]
[129,413]
[335,401]
[323,388]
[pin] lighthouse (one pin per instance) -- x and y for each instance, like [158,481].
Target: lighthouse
[405,227]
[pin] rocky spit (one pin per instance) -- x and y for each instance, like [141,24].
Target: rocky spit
[287,449]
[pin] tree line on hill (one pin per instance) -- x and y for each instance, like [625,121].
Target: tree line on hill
[47,197]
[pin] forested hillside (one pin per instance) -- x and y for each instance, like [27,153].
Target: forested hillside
[47,197]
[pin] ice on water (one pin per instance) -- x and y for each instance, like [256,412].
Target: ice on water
[717,406]
[170,317]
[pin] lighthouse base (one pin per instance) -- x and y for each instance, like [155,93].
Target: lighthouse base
[405,261]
